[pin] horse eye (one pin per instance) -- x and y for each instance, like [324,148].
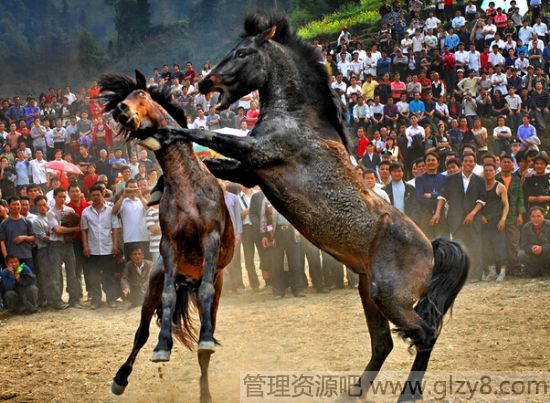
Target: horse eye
[141,93]
[241,55]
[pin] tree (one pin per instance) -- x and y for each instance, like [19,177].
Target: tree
[90,58]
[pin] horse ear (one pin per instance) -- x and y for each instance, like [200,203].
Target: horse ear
[140,80]
[267,35]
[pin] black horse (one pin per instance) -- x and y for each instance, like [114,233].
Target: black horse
[298,154]
[197,234]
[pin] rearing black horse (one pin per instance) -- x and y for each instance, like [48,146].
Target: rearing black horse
[297,153]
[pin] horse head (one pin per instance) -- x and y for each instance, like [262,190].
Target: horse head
[246,66]
[139,111]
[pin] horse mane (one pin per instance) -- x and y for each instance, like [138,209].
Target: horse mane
[308,58]
[114,88]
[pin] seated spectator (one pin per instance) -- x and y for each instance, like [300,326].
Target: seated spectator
[18,287]
[135,277]
[534,247]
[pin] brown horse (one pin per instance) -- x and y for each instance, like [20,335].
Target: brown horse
[298,153]
[197,233]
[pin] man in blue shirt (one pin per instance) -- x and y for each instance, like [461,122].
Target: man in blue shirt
[527,133]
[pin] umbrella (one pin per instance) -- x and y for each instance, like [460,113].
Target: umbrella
[64,166]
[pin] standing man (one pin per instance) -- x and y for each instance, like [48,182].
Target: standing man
[255,214]
[234,267]
[537,186]
[402,195]
[61,246]
[16,234]
[99,242]
[493,217]
[428,188]
[278,231]
[247,239]
[37,170]
[464,192]
[514,221]
[78,204]
[132,207]
[47,273]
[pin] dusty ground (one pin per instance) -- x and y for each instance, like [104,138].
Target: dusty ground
[71,356]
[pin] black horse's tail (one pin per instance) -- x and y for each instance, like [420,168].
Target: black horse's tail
[451,264]
[183,325]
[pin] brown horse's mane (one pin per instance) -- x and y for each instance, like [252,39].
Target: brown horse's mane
[308,61]
[115,88]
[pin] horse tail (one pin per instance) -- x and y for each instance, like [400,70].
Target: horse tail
[451,265]
[183,325]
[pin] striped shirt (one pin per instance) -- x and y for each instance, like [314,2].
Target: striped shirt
[152,218]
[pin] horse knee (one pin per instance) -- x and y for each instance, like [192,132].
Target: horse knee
[206,291]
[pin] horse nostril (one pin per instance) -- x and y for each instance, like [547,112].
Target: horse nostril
[122,107]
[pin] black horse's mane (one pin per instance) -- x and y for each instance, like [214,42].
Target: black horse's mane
[115,88]
[314,72]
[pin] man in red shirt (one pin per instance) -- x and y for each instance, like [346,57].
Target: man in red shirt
[449,69]
[78,204]
[90,179]
[484,59]
[361,143]
[190,72]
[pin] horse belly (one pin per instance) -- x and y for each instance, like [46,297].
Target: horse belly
[190,271]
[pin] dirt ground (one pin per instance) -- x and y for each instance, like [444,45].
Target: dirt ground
[71,356]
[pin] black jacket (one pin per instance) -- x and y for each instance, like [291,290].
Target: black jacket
[411,203]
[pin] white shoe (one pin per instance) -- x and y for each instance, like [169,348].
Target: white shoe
[502,276]
[492,274]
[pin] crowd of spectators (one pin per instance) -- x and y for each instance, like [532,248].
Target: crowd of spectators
[422,103]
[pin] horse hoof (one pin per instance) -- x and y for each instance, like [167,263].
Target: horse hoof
[161,356]
[117,389]
[207,347]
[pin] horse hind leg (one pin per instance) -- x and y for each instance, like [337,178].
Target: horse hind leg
[161,352]
[208,294]
[150,303]
[380,336]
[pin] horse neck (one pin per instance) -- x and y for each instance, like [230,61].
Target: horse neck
[283,91]
[177,160]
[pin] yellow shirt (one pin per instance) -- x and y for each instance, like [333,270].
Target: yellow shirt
[368,89]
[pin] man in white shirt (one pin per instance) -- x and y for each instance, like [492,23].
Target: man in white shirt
[535,42]
[340,86]
[369,64]
[540,27]
[525,31]
[413,130]
[459,21]
[462,57]
[499,81]
[200,121]
[99,240]
[432,22]
[132,206]
[369,178]
[354,88]
[522,63]
[37,170]
[495,57]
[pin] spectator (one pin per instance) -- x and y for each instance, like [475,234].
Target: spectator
[402,195]
[131,205]
[153,226]
[61,247]
[18,287]
[16,234]
[537,186]
[135,277]
[493,217]
[534,248]
[100,245]
[78,204]
[465,194]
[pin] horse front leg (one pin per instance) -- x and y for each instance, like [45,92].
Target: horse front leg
[150,303]
[239,148]
[162,351]
[231,170]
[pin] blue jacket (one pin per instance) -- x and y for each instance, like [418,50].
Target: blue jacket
[8,281]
